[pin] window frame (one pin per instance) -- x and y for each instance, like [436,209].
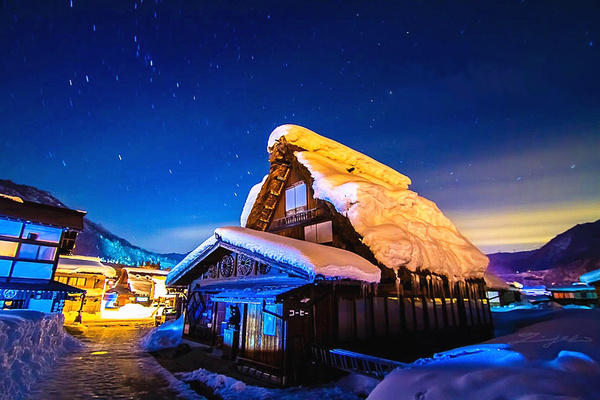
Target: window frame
[300,203]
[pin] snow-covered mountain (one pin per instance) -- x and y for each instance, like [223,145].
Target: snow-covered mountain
[560,261]
[95,240]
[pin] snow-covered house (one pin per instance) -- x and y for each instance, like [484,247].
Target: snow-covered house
[139,285]
[32,237]
[334,251]
[88,274]
[579,293]
[499,292]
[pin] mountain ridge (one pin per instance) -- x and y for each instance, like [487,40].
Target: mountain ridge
[94,240]
[560,261]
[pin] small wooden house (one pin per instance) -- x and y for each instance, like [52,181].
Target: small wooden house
[32,238]
[88,274]
[334,253]
[139,285]
[499,292]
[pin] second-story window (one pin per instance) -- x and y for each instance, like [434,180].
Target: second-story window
[319,233]
[295,199]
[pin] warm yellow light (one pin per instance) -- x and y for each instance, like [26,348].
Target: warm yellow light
[525,228]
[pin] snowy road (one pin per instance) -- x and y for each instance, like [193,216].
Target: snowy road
[111,366]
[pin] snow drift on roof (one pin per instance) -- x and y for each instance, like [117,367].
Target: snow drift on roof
[250,200]
[590,277]
[13,198]
[146,271]
[494,281]
[82,264]
[314,259]
[400,227]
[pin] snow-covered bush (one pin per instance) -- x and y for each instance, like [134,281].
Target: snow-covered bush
[165,336]
[30,343]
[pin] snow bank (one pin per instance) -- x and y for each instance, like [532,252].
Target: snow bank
[30,343]
[130,311]
[352,388]
[400,227]
[165,336]
[554,359]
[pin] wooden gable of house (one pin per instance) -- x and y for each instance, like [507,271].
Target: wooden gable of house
[277,209]
[229,266]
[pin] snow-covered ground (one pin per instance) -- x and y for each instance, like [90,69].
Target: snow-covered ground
[553,354]
[555,358]
[548,352]
[30,343]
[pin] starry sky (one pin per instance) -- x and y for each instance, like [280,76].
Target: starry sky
[153,115]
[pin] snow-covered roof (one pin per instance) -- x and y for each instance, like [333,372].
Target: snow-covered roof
[494,281]
[400,227]
[250,200]
[575,287]
[146,271]
[314,259]
[13,198]
[83,264]
[590,277]
[140,280]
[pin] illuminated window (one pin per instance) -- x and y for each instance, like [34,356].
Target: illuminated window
[24,269]
[295,199]
[44,233]
[10,228]
[62,279]
[35,252]
[5,267]
[319,233]
[270,321]
[77,281]
[8,249]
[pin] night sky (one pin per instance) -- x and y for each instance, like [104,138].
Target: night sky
[153,116]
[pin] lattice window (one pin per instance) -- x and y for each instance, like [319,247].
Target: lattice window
[226,269]
[245,265]
[263,268]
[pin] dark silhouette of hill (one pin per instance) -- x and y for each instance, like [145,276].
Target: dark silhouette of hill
[94,240]
[560,261]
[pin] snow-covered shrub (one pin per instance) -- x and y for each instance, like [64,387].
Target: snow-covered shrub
[30,343]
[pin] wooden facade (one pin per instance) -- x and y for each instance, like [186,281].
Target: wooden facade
[285,317]
[288,318]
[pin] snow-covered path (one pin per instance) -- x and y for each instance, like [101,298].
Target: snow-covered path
[111,366]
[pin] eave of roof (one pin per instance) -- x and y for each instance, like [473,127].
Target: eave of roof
[42,213]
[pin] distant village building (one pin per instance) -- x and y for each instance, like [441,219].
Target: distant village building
[499,292]
[143,286]
[334,253]
[32,238]
[578,293]
[88,274]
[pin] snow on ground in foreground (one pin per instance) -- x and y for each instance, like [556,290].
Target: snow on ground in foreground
[30,343]
[352,387]
[554,355]
[558,358]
